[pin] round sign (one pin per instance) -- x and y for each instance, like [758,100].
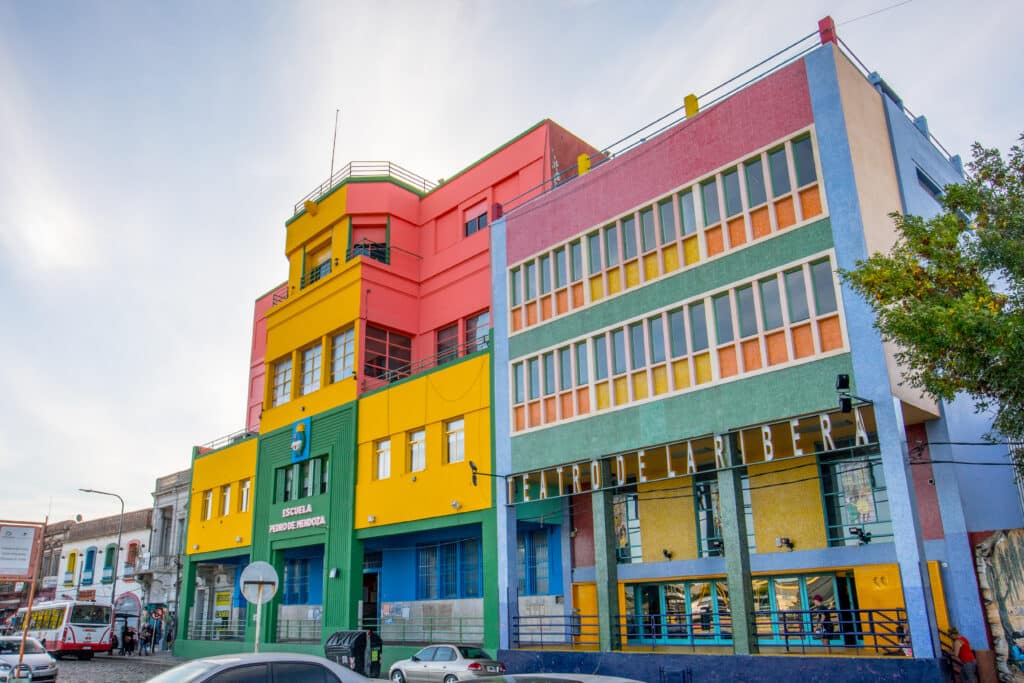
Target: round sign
[158,613]
[259,582]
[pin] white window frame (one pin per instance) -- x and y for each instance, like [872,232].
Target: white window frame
[346,342]
[225,502]
[382,452]
[418,450]
[455,440]
[243,495]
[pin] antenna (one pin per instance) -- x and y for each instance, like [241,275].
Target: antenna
[334,142]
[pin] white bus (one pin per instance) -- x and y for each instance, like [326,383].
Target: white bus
[68,627]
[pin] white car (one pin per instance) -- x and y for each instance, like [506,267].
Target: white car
[266,667]
[445,664]
[36,659]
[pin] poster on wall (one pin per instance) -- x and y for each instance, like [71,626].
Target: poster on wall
[859,500]
[1000,565]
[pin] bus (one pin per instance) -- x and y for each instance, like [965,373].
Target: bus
[68,627]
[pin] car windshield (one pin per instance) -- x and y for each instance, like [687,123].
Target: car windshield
[90,615]
[10,646]
[185,673]
[473,653]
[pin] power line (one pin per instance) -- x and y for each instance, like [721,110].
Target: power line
[877,11]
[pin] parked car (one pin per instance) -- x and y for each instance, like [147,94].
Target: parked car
[37,659]
[561,678]
[268,667]
[445,664]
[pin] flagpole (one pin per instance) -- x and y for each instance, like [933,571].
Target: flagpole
[334,142]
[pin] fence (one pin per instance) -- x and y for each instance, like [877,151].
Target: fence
[299,630]
[212,629]
[386,377]
[427,629]
[366,169]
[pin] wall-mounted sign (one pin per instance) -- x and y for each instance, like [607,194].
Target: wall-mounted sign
[304,523]
[300,439]
[759,444]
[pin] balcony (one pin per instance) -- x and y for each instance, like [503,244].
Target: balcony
[150,564]
[316,274]
[391,375]
[69,578]
[366,169]
[108,574]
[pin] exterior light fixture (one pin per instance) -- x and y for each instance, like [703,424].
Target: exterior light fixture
[863,537]
[667,553]
[784,542]
[371,519]
[456,504]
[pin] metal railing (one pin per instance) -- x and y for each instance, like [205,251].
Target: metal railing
[278,297]
[427,629]
[871,632]
[316,274]
[210,629]
[222,441]
[299,630]
[366,169]
[481,343]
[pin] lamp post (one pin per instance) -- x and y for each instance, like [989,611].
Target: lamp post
[117,560]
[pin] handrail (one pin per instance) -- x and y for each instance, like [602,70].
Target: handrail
[222,441]
[390,376]
[366,169]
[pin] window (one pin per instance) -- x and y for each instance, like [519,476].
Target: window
[755,183]
[581,363]
[549,373]
[447,343]
[319,262]
[637,352]
[388,354]
[656,333]
[448,570]
[282,391]
[533,562]
[667,218]
[382,453]
[600,358]
[288,483]
[534,367]
[594,253]
[771,305]
[295,588]
[225,500]
[516,285]
[824,289]
[306,479]
[647,238]
[930,186]
[322,464]
[698,327]
[417,450]
[478,328]
[723,318]
[709,514]
[378,251]
[576,260]
[803,159]
[89,567]
[476,224]
[611,245]
[733,200]
[518,382]
[564,369]
[855,495]
[628,238]
[779,170]
[796,293]
[132,555]
[530,275]
[618,351]
[343,353]
[455,440]
[747,314]
[709,195]
[561,274]
[108,563]
[545,274]
[244,487]
[207,504]
[311,369]
[677,332]
[626,513]
[688,213]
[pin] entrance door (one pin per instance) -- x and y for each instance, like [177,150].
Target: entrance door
[370,616]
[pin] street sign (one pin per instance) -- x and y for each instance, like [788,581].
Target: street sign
[259,582]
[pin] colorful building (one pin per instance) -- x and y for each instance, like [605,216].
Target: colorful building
[695,418]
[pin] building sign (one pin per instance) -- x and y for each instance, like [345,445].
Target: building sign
[18,550]
[300,440]
[304,523]
[796,437]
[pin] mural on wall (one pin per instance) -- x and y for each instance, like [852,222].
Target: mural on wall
[1000,564]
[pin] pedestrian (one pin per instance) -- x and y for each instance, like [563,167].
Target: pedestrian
[964,655]
[821,621]
[124,638]
[146,639]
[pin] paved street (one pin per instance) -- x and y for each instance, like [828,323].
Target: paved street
[104,669]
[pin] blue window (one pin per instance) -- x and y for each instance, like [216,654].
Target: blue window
[302,582]
[448,570]
[89,567]
[534,562]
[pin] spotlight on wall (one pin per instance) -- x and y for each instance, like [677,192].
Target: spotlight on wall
[667,553]
[333,573]
[842,382]
[783,542]
[371,519]
[863,537]
[456,504]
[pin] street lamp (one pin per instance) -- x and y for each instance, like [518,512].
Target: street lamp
[117,560]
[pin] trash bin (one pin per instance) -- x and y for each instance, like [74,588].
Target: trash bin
[358,650]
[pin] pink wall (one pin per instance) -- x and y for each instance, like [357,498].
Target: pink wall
[924,485]
[753,118]
[257,368]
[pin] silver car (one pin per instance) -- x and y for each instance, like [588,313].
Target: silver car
[36,659]
[269,667]
[445,664]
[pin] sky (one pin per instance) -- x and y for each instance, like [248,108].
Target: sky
[150,154]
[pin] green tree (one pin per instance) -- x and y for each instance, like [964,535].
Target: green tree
[950,292]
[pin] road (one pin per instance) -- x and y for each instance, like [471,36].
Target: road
[105,669]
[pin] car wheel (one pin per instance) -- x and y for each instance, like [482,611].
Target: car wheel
[397,677]
[450,678]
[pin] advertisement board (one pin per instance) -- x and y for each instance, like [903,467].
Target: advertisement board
[19,550]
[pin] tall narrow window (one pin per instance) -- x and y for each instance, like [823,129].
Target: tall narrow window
[594,252]
[225,500]
[628,238]
[530,276]
[618,351]
[576,260]
[325,471]
[709,195]
[747,314]
[244,488]
[455,440]
[581,363]
[824,289]
[343,353]
[779,170]
[207,504]
[564,369]
[723,318]
[637,351]
[545,274]
[282,381]
[688,213]
[515,284]
[478,328]
[755,183]
[417,450]
[803,159]
[667,218]
[311,369]
[533,365]
[796,293]
[561,273]
[519,388]
[448,343]
[733,200]
[600,358]
[388,355]
[656,333]
[698,327]
[382,452]
[771,304]
[549,373]
[677,332]
[611,245]
[306,478]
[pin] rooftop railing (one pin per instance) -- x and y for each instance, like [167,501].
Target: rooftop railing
[222,441]
[366,169]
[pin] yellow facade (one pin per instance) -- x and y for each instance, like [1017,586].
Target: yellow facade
[669,522]
[428,402]
[787,503]
[209,528]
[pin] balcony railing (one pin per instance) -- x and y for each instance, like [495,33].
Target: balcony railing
[366,169]
[469,630]
[210,629]
[299,630]
[69,578]
[156,563]
[870,632]
[222,441]
[316,274]
[108,574]
[481,343]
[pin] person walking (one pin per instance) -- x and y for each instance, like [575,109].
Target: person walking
[964,655]
[146,639]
